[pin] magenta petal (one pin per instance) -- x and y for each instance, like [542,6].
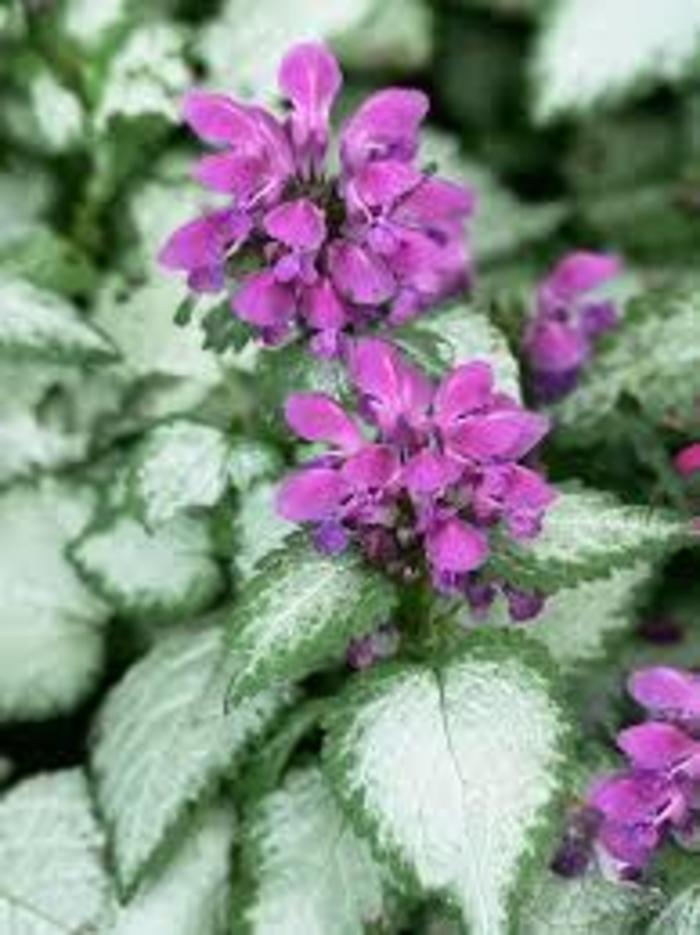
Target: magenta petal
[264,302]
[311,495]
[310,77]
[429,472]
[297,224]
[359,275]
[657,746]
[216,118]
[667,691]
[394,388]
[436,201]
[373,467]
[316,417]
[201,242]
[504,435]
[229,173]
[556,347]
[383,182]
[580,271]
[463,391]
[454,546]
[384,127]
[323,308]
[687,461]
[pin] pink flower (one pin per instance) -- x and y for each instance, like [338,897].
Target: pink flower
[568,321]
[427,470]
[687,461]
[660,792]
[383,241]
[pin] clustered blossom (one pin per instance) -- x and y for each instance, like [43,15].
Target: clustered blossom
[425,475]
[633,812]
[312,252]
[568,320]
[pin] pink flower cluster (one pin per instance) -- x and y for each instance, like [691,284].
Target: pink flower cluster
[568,321]
[659,793]
[308,251]
[425,475]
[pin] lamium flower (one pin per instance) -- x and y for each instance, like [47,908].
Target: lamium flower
[687,461]
[659,793]
[423,475]
[302,248]
[568,320]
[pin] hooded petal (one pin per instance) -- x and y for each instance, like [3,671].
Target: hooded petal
[384,127]
[381,183]
[373,467]
[316,417]
[359,275]
[581,271]
[665,691]
[502,435]
[202,242]
[455,546]
[323,308]
[429,472]
[436,202]
[228,172]
[391,386]
[464,390]
[297,224]
[660,747]
[556,347]
[216,118]
[311,495]
[264,302]
[310,78]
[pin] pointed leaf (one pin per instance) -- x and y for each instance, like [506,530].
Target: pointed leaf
[453,766]
[190,894]
[681,916]
[584,905]
[179,466]
[52,879]
[306,865]
[165,573]
[39,325]
[51,623]
[164,739]
[586,535]
[299,610]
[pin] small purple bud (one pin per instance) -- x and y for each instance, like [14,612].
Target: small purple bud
[523,605]
[330,538]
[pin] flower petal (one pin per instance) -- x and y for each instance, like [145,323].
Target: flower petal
[454,546]
[666,691]
[323,308]
[657,746]
[216,118]
[393,388]
[359,275]
[504,435]
[310,78]
[264,302]
[316,417]
[373,467]
[384,127]
[311,495]
[297,224]
[464,390]
[581,271]
[436,201]
[556,347]
[429,472]
[381,183]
